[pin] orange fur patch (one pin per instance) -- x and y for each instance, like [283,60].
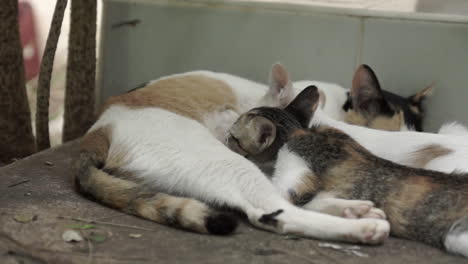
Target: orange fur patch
[192,96]
[424,155]
[97,141]
[381,122]
[309,183]
[298,133]
[405,197]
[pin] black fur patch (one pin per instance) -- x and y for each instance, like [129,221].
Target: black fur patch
[221,224]
[301,200]
[138,87]
[270,219]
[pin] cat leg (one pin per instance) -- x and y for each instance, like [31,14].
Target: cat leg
[326,203]
[320,226]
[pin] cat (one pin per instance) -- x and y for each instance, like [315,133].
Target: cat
[318,167]
[157,152]
[367,104]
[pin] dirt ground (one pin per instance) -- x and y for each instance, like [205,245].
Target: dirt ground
[38,203]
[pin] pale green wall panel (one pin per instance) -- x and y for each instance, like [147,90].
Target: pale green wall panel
[409,55]
[407,51]
[244,42]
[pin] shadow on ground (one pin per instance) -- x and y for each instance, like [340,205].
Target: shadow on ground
[38,203]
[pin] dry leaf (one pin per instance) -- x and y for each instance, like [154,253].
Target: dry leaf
[134,235]
[71,236]
[24,218]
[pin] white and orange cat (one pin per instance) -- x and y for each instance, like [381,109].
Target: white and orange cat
[157,152]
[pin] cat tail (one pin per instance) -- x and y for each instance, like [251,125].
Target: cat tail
[95,180]
[456,239]
[453,128]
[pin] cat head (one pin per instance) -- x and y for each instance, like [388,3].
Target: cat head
[259,133]
[368,105]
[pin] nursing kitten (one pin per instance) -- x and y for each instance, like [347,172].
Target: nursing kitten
[157,152]
[318,167]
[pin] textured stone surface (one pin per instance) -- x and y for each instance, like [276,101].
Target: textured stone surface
[48,194]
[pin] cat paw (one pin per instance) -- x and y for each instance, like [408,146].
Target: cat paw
[375,213]
[371,231]
[363,209]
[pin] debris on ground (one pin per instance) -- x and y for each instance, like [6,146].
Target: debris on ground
[291,237]
[25,218]
[134,235]
[71,236]
[349,250]
[48,163]
[96,237]
[81,226]
[18,183]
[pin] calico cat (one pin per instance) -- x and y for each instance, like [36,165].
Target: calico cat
[317,167]
[367,104]
[157,152]
[370,106]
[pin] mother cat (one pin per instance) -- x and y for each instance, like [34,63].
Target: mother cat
[157,153]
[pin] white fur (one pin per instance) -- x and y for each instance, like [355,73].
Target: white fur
[179,155]
[453,128]
[335,97]
[457,243]
[399,147]
[289,170]
[219,122]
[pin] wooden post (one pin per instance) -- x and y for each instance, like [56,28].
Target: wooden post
[81,70]
[16,137]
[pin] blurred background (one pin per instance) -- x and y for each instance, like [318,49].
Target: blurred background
[35,18]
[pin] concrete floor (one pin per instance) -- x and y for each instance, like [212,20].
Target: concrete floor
[41,186]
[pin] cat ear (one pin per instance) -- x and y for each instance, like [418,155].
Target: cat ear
[265,133]
[421,95]
[366,94]
[304,105]
[280,84]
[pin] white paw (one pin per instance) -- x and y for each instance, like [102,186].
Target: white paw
[363,209]
[371,231]
[375,213]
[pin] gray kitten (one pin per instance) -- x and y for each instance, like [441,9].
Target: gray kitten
[321,167]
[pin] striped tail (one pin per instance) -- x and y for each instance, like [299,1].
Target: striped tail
[94,180]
